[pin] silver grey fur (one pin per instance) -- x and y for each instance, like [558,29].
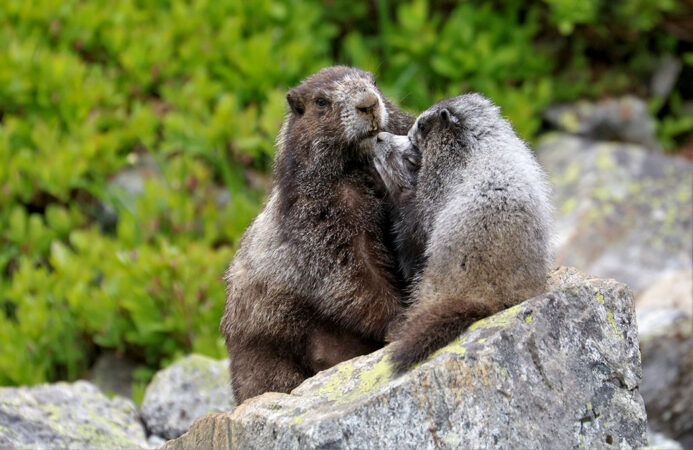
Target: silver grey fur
[480,209]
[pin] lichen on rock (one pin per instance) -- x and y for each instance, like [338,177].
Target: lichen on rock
[64,415]
[559,370]
[188,389]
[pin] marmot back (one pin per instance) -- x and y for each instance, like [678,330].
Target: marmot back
[480,210]
[312,281]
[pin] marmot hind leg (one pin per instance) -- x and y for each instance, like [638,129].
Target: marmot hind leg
[259,369]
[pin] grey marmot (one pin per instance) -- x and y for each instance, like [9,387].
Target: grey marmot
[479,206]
[312,282]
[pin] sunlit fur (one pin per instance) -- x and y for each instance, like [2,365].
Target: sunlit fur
[311,283]
[481,212]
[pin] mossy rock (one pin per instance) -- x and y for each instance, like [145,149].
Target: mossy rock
[64,415]
[557,371]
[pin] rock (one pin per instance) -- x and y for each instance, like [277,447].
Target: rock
[131,180]
[664,78]
[155,441]
[624,213]
[190,388]
[123,188]
[113,374]
[64,415]
[672,290]
[559,370]
[666,344]
[660,441]
[624,119]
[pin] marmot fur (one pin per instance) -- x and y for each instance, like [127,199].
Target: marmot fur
[480,210]
[312,281]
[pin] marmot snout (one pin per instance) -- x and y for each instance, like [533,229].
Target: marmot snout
[312,282]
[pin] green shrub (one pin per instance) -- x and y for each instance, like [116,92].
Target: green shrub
[195,89]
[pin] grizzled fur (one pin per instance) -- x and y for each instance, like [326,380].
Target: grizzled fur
[481,211]
[311,284]
[398,166]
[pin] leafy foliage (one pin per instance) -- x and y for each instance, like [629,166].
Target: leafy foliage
[136,138]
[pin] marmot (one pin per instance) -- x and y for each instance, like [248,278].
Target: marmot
[312,282]
[480,209]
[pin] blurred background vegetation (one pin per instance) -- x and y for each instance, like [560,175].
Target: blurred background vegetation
[136,138]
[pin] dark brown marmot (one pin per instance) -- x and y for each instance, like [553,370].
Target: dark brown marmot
[312,282]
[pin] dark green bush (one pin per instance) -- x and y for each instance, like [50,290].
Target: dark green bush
[91,88]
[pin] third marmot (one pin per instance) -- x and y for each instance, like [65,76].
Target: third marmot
[479,209]
[312,282]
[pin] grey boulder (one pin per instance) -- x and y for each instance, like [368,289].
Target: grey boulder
[65,415]
[557,371]
[666,344]
[190,388]
[624,119]
[624,213]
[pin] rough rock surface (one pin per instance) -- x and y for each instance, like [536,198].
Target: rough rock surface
[661,441]
[65,415]
[671,290]
[624,213]
[557,371]
[624,119]
[190,388]
[666,343]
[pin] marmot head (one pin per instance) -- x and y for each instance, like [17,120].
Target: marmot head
[397,162]
[456,123]
[340,104]
[443,134]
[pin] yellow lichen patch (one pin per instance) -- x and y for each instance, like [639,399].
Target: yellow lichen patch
[298,419]
[572,173]
[455,348]
[348,383]
[609,315]
[569,120]
[482,340]
[528,318]
[600,297]
[610,318]
[501,319]
[568,206]
[337,380]
[604,159]
[683,195]
[375,376]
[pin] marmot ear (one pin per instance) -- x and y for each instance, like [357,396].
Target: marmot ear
[445,118]
[295,102]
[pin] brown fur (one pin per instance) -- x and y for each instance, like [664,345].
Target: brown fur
[436,324]
[311,284]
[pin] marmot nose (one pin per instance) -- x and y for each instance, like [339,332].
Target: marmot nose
[366,104]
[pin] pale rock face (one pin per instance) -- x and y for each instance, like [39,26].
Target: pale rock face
[666,343]
[624,119]
[186,390]
[64,415]
[623,212]
[560,370]
[671,290]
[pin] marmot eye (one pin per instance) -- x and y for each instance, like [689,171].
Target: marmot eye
[422,126]
[321,102]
